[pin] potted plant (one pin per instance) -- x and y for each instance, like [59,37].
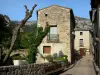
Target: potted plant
[18,59]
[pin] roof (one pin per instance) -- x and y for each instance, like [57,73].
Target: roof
[55,5]
[91,31]
[82,29]
[71,11]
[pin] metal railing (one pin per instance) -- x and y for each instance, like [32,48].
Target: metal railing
[53,38]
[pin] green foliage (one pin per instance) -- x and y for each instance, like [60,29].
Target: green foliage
[63,58]
[5,31]
[30,28]
[6,42]
[31,58]
[29,31]
[25,40]
[18,57]
[35,41]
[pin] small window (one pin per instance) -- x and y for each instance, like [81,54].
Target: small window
[46,49]
[81,43]
[81,33]
[46,14]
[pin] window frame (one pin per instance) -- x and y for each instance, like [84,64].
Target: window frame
[81,43]
[49,38]
[46,52]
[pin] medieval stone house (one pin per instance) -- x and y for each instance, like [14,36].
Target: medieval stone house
[60,39]
[83,41]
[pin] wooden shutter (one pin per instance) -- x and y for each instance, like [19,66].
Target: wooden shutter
[47,49]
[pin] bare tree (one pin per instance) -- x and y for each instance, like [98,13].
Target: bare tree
[17,28]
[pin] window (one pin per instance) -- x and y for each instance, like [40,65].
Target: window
[53,34]
[53,29]
[46,14]
[81,33]
[46,49]
[81,43]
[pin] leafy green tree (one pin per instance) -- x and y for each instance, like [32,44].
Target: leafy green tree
[24,40]
[5,34]
[5,30]
[28,29]
[35,41]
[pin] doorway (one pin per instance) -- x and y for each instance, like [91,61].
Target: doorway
[82,52]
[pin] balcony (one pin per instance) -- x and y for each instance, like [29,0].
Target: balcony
[53,38]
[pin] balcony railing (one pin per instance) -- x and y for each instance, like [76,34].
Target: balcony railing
[81,45]
[53,38]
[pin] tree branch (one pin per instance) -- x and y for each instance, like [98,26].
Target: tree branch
[17,28]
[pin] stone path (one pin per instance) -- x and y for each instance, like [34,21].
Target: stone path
[83,67]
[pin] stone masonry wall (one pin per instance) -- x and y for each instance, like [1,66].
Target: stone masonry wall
[31,69]
[56,16]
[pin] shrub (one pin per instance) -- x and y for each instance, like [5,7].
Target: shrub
[49,58]
[18,57]
[63,58]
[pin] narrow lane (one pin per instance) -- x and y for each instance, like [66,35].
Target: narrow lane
[83,67]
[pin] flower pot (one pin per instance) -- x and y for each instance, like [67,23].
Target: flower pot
[19,62]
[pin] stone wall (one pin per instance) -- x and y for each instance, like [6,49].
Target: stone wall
[31,69]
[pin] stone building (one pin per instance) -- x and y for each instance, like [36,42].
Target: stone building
[60,39]
[83,41]
[95,19]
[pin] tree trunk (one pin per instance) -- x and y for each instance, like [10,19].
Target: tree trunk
[17,28]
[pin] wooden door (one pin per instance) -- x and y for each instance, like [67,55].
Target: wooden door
[82,51]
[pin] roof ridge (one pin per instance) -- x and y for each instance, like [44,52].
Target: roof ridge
[53,5]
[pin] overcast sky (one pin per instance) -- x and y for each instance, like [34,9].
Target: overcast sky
[15,9]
